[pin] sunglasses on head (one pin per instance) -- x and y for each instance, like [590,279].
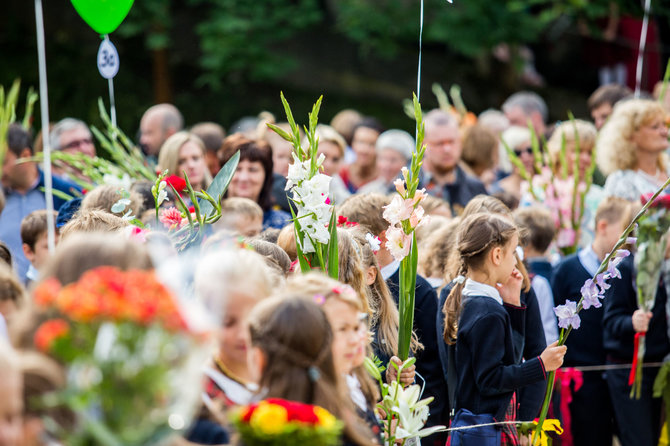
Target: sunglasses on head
[528,150]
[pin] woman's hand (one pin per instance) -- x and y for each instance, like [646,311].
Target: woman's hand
[406,376]
[552,356]
[510,291]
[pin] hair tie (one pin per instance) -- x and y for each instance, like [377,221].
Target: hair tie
[313,373]
[459,279]
[374,242]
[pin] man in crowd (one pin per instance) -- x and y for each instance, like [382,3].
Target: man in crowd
[440,174]
[158,123]
[23,184]
[72,136]
[525,106]
[601,102]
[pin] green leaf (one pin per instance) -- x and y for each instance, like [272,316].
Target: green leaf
[220,184]
[333,253]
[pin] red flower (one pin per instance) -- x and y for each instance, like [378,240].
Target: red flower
[247,412]
[48,332]
[45,294]
[296,411]
[662,200]
[177,182]
[171,218]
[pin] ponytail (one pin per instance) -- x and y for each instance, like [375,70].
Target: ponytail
[452,306]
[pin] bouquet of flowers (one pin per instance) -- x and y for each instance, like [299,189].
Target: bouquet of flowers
[405,214]
[127,351]
[402,407]
[563,194]
[314,223]
[594,289]
[651,243]
[277,422]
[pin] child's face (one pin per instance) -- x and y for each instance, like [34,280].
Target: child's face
[40,254]
[248,226]
[233,333]
[11,408]
[609,233]
[344,322]
[508,262]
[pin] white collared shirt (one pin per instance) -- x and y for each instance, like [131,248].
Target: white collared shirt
[473,288]
[390,269]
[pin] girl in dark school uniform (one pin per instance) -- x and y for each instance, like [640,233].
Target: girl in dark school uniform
[481,311]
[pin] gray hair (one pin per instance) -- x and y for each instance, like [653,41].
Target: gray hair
[398,140]
[62,126]
[529,102]
[439,118]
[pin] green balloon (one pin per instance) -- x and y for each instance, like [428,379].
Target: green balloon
[104,16]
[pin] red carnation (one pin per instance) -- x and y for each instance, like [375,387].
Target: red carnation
[177,182]
[48,332]
[662,200]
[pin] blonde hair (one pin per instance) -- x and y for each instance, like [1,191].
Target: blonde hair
[614,209]
[366,210]
[92,220]
[615,147]
[515,135]
[586,132]
[223,272]
[326,133]
[286,241]
[242,206]
[351,267]
[105,196]
[168,157]
[10,286]
[437,250]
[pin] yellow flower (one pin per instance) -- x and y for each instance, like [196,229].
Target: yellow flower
[326,419]
[269,418]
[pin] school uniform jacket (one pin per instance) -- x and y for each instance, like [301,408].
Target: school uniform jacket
[486,365]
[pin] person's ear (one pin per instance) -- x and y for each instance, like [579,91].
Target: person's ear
[370,275]
[497,255]
[28,252]
[382,237]
[601,226]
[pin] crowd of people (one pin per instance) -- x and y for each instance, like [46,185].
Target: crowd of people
[490,271]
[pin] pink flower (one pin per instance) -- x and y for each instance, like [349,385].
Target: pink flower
[398,210]
[566,237]
[171,218]
[398,243]
[418,218]
[419,195]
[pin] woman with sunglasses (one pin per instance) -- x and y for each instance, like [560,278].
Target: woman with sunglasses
[519,140]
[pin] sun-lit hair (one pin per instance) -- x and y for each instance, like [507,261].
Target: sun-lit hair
[586,134]
[615,147]
[168,157]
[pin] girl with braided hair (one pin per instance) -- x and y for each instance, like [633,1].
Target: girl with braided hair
[481,311]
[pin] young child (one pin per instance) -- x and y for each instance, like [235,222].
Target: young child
[224,284]
[35,242]
[241,216]
[591,411]
[540,230]
[12,296]
[367,210]
[481,311]
[291,357]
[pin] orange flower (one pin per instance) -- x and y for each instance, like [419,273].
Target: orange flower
[48,332]
[45,294]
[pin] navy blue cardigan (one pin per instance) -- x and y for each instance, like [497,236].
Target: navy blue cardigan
[486,364]
[620,304]
[529,341]
[585,346]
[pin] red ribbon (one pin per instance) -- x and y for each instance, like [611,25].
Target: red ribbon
[565,377]
[636,349]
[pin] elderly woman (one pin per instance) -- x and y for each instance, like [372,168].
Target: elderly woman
[631,149]
[519,140]
[394,151]
[184,152]
[253,177]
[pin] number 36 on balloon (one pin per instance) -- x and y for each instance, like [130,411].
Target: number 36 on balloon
[108,59]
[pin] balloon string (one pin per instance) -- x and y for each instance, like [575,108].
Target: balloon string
[418,74]
[44,112]
[643,44]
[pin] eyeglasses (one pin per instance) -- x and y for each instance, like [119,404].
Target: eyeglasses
[77,143]
[528,150]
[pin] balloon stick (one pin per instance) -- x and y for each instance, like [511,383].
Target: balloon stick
[643,44]
[44,109]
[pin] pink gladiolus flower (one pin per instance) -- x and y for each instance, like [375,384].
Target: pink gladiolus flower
[398,210]
[566,237]
[567,315]
[400,186]
[398,243]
